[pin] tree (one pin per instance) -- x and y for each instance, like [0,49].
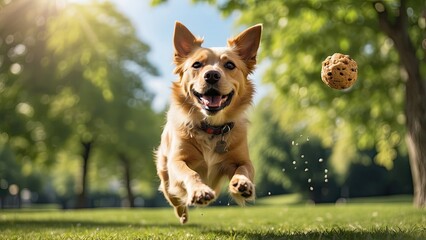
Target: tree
[25,86]
[397,24]
[388,102]
[287,161]
[94,55]
[72,76]
[135,135]
[25,80]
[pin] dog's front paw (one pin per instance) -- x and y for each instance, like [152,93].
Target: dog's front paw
[201,195]
[241,189]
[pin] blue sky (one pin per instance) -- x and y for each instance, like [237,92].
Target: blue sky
[155,27]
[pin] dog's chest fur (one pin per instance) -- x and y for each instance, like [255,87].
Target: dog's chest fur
[211,159]
[207,144]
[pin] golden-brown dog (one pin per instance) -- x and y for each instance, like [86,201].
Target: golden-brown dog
[205,138]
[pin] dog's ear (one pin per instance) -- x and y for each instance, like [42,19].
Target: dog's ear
[247,43]
[184,41]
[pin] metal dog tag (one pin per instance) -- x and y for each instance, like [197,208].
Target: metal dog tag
[221,147]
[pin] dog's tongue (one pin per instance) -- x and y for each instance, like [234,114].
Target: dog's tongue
[212,101]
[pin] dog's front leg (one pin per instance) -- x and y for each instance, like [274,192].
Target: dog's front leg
[186,169]
[241,175]
[241,186]
[197,192]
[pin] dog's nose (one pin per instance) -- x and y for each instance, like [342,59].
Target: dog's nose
[212,76]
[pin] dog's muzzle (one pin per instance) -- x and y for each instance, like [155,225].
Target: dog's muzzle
[213,101]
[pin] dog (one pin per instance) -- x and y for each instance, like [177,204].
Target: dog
[204,140]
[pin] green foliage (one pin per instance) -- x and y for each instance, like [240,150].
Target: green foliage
[299,35]
[352,221]
[365,178]
[72,73]
[20,71]
[295,162]
[93,56]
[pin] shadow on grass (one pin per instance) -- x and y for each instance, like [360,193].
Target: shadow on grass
[325,234]
[334,233]
[65,224]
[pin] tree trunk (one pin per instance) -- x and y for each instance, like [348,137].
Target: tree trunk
[82,194]
[415,97]
[127,179]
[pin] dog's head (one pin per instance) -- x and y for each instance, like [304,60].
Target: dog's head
[214,80]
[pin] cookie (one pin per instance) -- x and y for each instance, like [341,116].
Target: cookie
[339,71]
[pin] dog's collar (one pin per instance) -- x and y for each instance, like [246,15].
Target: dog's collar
[216,130]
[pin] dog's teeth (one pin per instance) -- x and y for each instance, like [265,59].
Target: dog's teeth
[223,100]
[205,101]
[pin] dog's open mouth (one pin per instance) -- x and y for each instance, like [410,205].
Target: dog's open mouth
[213,101]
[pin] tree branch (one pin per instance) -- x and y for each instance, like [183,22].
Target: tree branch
[383,15]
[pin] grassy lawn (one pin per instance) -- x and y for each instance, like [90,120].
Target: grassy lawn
[358,220]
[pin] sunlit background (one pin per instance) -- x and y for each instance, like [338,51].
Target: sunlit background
[84,86]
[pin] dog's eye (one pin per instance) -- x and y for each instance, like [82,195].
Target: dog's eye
[229,65]
[197,65]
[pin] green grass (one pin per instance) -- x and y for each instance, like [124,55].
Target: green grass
[388,220]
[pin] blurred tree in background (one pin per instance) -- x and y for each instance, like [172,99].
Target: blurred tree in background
[294,162]
[288,161]
[386,105]
[71,88]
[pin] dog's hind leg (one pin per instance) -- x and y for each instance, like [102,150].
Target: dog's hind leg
[182,213]
[181,210]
